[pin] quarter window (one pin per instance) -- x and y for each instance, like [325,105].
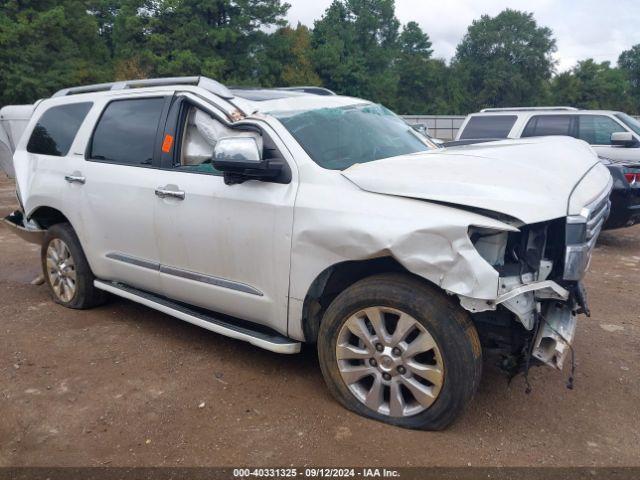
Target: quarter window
[597,129]
[126,132]
[489,126]
[56,129]
[542,125]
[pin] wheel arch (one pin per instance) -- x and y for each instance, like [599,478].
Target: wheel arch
[46,216]
[336,278]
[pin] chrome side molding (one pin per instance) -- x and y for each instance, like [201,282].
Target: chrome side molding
[189,275]
[211,280]
[139,262]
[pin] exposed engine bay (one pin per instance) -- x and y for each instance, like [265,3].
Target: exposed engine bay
[534,315]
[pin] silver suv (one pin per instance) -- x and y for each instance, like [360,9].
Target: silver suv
[614,135]
[279,217]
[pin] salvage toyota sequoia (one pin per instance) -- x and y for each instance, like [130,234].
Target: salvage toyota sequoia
[288,216]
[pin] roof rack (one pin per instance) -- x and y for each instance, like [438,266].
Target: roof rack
[526,109]
[204,82]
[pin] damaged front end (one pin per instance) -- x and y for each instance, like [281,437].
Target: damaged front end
[540,271]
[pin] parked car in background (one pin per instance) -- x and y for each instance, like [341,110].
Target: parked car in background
[278,217]
[615,136]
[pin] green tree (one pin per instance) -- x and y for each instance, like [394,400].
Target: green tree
[629,64]
[355,44]
[413,70]
[422,81]
[592,85]
[504,61]
[565,89]
[47,45]
[214,38]
[132,39]
[105,12]
[286,58]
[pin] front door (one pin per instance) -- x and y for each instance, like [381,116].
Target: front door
[222,247]
[597,129]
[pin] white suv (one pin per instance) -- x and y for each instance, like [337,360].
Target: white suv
[279,217]
[614,135]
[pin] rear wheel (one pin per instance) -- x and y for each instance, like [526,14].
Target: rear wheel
[395,349]
[66,269]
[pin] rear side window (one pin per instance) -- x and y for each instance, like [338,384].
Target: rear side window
[597,129]
[490,126]
[56,129]
[126,132]
[542,125]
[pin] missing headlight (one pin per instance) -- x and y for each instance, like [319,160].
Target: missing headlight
[490,244]
[517,253]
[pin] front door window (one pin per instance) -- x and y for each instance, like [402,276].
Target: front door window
[597,129]
[201,133]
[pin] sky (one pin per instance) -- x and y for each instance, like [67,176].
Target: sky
[582,28]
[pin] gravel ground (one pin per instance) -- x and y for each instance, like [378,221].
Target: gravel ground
[123,385]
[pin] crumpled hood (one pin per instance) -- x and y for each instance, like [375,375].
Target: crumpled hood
[528,179]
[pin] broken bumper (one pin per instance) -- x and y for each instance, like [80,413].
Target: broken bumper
[545,301]
[27,230]
[555,336]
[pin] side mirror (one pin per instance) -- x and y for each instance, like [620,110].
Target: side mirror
[236,152]
[240,159]
[623,139]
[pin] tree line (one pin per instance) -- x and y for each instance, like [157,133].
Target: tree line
[357,47]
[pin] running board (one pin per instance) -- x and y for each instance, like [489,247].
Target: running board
[269,340]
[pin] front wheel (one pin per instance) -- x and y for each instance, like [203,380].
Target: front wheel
[397,350]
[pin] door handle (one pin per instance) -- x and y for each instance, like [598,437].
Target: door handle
[164,192]
[75,179]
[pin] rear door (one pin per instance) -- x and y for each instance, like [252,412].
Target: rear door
[44,157]
[551,125]
[117,181]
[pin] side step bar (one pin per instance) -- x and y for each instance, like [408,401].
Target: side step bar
[260,337]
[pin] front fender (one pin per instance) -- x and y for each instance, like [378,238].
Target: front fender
[429,240]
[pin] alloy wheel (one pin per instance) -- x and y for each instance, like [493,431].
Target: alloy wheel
[389,361]
[61,270]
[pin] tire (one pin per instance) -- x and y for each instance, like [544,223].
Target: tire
[450,353]
[62,255]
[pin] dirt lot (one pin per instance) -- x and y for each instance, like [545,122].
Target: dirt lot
[124,385]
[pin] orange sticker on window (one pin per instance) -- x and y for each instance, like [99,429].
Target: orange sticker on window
[167,143]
